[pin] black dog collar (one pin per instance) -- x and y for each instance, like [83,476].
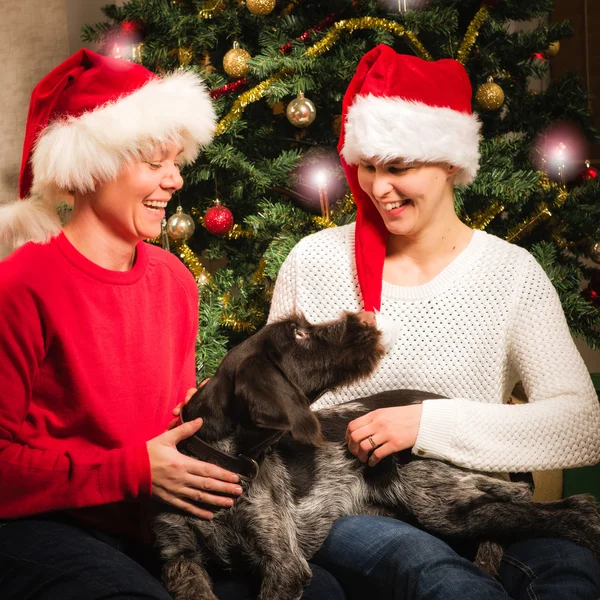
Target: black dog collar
[246,467]
[242,465]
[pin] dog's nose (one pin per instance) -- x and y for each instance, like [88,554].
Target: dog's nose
[368,318]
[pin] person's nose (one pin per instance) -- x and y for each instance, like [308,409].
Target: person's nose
[172,178]
[382,185]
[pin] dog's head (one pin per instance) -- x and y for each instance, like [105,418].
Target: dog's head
[269,381]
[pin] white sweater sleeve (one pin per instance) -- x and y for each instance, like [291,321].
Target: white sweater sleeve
[558,428]
[283,302]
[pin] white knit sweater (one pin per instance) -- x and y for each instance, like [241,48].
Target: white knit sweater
[488,320]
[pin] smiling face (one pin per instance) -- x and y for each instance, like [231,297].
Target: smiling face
[409,197]
[132,206]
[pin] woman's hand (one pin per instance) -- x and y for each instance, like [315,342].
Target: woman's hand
[391,429]
[181,480]
[177,409]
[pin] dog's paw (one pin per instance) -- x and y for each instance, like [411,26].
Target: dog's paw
[187,580]
[488,557]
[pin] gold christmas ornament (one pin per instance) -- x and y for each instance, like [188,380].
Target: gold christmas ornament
[235,62]
[552,49]
[301,112]
[180,226]
[490,95]
[261,7]
[595,252]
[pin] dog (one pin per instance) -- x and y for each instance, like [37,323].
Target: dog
[299,477]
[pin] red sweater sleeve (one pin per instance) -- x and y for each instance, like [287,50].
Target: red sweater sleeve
[35,480]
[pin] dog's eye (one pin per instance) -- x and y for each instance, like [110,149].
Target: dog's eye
[300,334]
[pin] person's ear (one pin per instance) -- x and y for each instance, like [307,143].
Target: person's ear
[452,170]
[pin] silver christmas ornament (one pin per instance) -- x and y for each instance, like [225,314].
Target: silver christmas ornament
[180,226]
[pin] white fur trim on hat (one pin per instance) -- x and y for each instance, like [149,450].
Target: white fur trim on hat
[76,152]
[389,128]
[31,220]
[389,330]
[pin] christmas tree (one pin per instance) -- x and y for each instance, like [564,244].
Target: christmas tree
[277,71]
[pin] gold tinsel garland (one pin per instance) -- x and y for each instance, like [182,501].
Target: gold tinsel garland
[471,35]
[229,320]
[547,185]
[210,8]
[192,263]
[322,46]
[541,213]
[351,25]
[237,232]
[248,97]
[323,222]
[259,274]
[481,219]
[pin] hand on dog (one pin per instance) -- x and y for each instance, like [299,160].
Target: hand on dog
[392,429]
[178,479]
[177,409]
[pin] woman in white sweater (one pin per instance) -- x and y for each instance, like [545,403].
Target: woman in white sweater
[470,315]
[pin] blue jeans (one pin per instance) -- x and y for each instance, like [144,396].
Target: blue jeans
[55,559]
[378,557]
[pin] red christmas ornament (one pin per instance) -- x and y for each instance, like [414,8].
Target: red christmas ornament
[218,219]
[592,292]
[132,31]
[588,173]
[538,56]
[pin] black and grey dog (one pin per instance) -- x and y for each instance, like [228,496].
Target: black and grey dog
[299,476]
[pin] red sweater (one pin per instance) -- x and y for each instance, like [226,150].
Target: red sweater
[92,362]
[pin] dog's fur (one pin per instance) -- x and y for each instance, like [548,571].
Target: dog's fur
[309,479]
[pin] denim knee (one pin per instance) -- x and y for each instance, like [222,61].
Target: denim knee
[548,568]
[369,540]
[386,558]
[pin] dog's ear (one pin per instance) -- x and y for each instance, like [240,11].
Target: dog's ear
[275,403]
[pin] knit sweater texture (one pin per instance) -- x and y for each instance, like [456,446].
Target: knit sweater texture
[92,362]
[491,318]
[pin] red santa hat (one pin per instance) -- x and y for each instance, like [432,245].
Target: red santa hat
[87,118]
[400,106]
